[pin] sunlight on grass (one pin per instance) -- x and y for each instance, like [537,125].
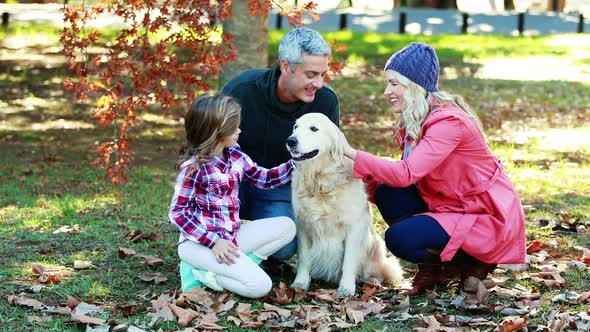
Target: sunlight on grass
[161,119]
[47,213]
[569,40]
[98,289]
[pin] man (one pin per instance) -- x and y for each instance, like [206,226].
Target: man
[271,100]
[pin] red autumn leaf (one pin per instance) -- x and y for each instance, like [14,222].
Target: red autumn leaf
[512,324]
[533,247]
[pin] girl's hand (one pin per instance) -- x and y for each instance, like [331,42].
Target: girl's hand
[225,252]
[349,151]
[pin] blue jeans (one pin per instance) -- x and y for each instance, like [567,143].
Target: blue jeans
[409,237]
[259,203]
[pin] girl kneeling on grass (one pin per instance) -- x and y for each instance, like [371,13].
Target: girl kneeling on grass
[214,247]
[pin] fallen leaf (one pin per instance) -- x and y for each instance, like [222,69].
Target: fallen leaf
[533,247]
[184,316]
[160,310]
[220,307]
[87,320]
[57,310]
[126,252]
[81,265]
[513,312]
[370,290]
[47,274]
[327,295]
[283,295]
[126,310]
[72,302]
[495,281]
[511,324]
[475,292]
[567,297]
[151,260]
[211,326]
[365,307]
[243,311]
[138,235]
[38,269]
[68,229]
[197,295]
[37,288]
[282,312]
[584,259]
[583,297]
[355,316]
[84,308]
[22,300]
[234,320]
[428,324]
[301,295]
[155,277]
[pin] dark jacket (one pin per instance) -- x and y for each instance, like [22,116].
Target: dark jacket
[266,121]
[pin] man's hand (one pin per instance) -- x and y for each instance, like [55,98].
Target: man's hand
[225,252]
[348,150]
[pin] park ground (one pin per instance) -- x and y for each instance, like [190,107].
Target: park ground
[70,240]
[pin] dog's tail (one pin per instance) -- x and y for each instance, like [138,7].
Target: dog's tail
[392,270]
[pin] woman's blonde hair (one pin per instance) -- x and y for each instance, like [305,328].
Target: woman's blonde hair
[209,120]
[416,109]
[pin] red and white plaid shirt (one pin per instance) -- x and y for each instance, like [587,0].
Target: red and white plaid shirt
[205,206]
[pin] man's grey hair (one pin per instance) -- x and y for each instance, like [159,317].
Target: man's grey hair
[299,41]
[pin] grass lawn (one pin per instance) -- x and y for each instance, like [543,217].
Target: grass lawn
[56,209]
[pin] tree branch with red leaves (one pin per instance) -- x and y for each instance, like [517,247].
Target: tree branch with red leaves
[165,54]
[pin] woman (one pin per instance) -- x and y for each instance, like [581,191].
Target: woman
[449,203]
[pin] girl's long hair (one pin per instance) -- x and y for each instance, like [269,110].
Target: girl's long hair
[209,120]
[416,109]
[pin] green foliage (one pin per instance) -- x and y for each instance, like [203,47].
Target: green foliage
[376,48]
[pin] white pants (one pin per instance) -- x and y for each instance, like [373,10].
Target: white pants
[263,237]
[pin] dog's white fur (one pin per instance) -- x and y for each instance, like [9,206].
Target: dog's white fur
[335,235]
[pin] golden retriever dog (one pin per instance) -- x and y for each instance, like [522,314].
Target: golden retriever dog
[335,235]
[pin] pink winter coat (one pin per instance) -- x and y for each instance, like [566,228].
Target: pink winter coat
[464,185]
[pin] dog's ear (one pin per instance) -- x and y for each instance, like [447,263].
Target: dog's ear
[337,151]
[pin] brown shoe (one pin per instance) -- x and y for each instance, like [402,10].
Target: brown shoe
[480,270]
[426,278]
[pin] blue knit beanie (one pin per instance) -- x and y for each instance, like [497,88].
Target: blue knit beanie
[419,63]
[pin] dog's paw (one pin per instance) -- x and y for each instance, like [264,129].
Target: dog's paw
[301,282]
[346,289]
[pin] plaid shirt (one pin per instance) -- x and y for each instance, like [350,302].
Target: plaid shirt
[205,206]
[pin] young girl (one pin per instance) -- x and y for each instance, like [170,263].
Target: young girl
[214,247]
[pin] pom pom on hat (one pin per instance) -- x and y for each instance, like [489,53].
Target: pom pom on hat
[419,63]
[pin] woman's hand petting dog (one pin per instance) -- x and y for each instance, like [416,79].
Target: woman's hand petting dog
[349,151]
[225,252]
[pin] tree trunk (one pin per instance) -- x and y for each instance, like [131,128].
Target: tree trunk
[251,40]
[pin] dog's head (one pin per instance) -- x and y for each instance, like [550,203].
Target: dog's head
[315,137]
